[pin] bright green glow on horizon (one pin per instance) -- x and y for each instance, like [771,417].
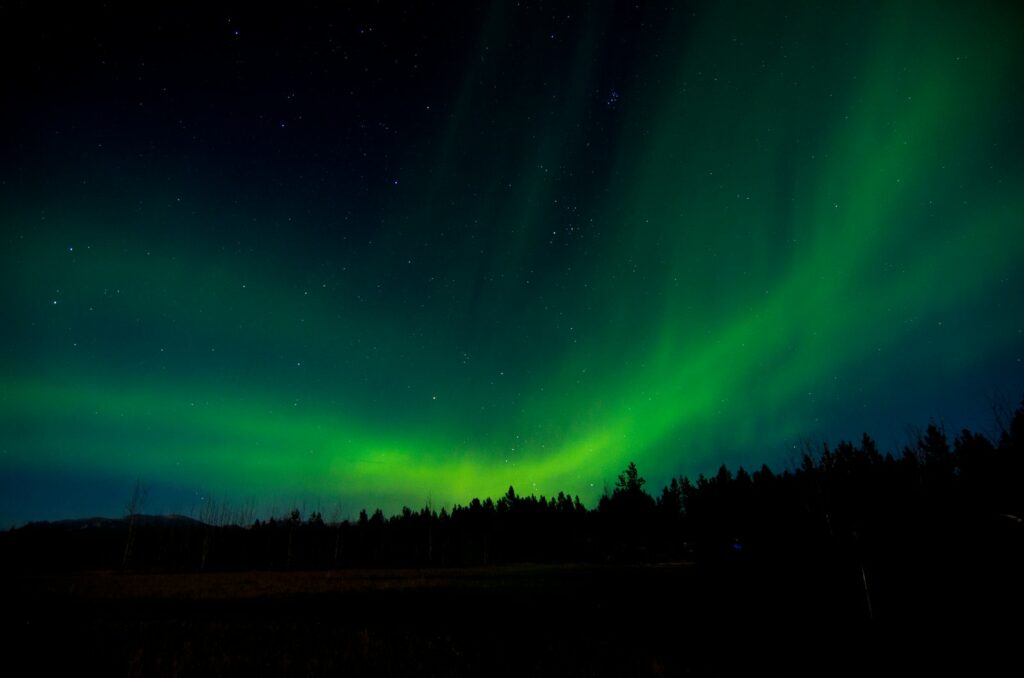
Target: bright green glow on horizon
[791,221]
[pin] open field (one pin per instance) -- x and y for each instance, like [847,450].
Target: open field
[373,622]
[518,620]
[276,585]
[649,620]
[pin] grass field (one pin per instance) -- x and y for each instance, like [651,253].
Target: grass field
[566,620]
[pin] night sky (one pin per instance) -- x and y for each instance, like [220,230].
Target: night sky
[395,254]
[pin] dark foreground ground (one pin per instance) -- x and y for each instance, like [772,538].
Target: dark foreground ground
[650,620]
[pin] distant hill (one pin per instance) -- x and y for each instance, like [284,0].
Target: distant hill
[100,523]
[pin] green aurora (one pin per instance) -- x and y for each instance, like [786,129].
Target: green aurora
[766,226]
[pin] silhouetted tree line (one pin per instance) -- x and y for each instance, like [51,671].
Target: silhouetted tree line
[849,508]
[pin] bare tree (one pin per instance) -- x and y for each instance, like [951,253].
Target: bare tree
[133,508]
[1002,409]
[213,513]
[335,522]
[245,513]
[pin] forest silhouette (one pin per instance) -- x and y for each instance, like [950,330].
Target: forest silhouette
[853,558]
[851,505]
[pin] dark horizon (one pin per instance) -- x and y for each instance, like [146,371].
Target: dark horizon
[947,452]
